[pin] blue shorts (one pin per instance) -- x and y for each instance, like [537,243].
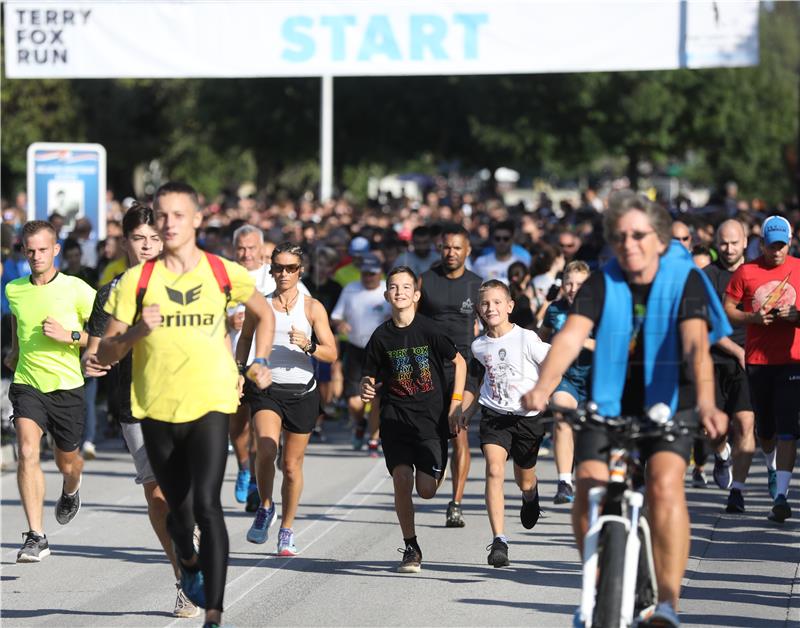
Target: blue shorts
[575,388]
[322,371]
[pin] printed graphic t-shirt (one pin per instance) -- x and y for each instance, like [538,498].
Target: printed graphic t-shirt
[512,369]
[183,369]
[754,285]
[408,361]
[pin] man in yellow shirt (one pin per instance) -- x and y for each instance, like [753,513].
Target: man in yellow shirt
[172,313]
[48,312]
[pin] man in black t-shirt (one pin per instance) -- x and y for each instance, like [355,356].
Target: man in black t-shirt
[449,297]
[406,356]
[733,393]
[639,232]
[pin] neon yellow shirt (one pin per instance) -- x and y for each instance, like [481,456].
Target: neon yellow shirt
[44,363]
[183,369]
[112,269]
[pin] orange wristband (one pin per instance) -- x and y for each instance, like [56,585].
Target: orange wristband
[457,397]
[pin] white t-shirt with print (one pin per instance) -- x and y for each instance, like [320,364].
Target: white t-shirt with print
[363,310]
[512,368]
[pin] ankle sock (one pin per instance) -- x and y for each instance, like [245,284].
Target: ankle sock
[783,482]
[565,477]
[502,537]
[412,542]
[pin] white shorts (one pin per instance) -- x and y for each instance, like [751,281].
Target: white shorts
[132,433]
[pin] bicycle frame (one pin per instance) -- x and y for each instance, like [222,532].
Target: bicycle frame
[629,503]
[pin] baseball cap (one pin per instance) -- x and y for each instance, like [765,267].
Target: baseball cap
[358,245]
[776,229]
[370,264]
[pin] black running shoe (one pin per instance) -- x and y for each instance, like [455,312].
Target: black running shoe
[412,560]
[735,501]
[455,519]
[530,511]
[67,507]
[564,493]
[33,549]
[498,553]
[253,501]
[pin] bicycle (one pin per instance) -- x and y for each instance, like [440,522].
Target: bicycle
[619,580]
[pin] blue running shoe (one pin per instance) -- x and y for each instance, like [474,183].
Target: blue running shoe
[259,531]
[242,483]
[286,546]
[780,510]
[772,482]
[192,584]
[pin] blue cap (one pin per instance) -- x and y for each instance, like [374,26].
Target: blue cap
[776,229]
[370,263]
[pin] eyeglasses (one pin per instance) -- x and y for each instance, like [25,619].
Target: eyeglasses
[290,269]
[502,238]
[620,238]
[683,239]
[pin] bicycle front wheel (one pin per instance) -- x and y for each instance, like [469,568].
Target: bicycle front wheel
[610,566]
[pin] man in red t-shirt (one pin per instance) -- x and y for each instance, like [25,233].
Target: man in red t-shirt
[767,289]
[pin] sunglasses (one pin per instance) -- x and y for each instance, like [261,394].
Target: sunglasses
[683,239]
[290,269]
[502,238]
[637,236]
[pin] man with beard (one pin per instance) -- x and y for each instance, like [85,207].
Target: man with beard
[449,297]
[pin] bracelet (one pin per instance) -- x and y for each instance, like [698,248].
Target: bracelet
[457,397]
[261,361]
[242,368]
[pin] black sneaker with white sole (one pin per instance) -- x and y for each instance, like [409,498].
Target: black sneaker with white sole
[33,549]
[67,507]
[498,553]
[454,517]
[412,560]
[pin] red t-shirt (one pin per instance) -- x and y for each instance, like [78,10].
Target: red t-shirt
[753,284]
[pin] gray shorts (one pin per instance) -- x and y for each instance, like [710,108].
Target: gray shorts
[132,433]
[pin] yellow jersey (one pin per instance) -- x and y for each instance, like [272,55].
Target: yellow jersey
[183,369]
[44,363]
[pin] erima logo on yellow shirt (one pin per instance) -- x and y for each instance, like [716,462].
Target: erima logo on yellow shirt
[186,320]
[184,298]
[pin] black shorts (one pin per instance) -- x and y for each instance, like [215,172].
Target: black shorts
[593,443]
[731,388]
[297,406]
[427,456]
[61,412]
[775,393]
[520,436]
[353,365]
[474,373]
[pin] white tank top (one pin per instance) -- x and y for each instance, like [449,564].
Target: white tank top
[288,362]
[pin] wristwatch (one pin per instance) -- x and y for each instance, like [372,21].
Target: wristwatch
[76,336]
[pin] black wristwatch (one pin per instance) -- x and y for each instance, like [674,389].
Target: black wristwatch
[311,347]
[76,336]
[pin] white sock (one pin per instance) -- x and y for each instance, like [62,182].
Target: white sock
[739,486]
[726,453]
[80,479]
[769,459]
[783,482]
[565,477]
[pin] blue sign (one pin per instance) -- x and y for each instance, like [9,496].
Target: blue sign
[70,180]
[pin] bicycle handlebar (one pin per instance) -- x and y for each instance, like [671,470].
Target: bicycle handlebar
[657,424]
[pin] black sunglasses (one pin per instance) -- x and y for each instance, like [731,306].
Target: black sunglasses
[277,269]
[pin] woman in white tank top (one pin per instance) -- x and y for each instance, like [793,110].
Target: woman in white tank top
[291,403]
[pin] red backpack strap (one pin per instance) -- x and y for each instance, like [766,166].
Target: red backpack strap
[141,287]
[221,275]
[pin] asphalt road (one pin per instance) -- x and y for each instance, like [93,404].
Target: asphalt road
[106,568]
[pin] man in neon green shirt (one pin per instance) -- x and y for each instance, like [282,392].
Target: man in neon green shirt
[49,310]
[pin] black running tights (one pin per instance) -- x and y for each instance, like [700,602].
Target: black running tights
[189,460]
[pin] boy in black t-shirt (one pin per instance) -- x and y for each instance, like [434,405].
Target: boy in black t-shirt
[406,356]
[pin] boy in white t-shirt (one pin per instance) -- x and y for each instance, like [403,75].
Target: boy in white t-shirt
[511,356]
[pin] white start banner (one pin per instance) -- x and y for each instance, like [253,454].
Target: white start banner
[205,39]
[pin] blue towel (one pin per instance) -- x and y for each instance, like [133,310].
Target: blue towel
[661,335]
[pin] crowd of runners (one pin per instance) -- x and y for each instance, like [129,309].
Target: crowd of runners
[252,325]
